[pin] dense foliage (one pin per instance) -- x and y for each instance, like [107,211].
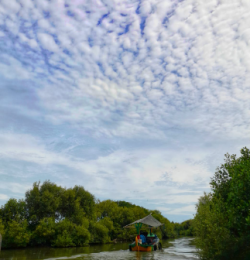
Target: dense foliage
[55,216]
[222,221]
[185,228]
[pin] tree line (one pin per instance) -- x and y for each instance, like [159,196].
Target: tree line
[51,215]
[222,220]
[54,216]
[186,228]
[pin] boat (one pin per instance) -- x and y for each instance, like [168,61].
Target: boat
[151,241]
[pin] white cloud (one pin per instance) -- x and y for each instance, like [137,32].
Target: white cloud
[172,74]
[44,24]
[47,42]
[13,69]
[145,8]
[187,210]
[11,6]
[15,188]
[30,149]
[3,197]
[130,171]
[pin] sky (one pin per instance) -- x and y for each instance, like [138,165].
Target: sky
[133,100]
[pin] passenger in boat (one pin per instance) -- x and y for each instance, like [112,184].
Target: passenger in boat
[143,235]
[143,238]
[149,240]
[142,232]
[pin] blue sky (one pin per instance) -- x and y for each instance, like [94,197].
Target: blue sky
[134,100]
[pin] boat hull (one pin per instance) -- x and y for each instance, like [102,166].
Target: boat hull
[142,248]
[145,247]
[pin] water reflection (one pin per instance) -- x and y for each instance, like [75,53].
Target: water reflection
[176,249]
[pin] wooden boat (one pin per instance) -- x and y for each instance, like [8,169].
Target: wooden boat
[152,242]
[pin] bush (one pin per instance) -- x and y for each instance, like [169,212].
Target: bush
[185,228]
[99,233]
[2,231]
[16,234]
[45,232]
[60,234]
[69,234]
[80,236]
[63,240]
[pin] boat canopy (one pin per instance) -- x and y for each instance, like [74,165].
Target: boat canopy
[148,220]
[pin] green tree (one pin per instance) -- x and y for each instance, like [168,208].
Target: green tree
[14,219]
[120,216]
[45,232]
[86,200]
[222,221]
[63,240]
[70,207]
[99,233]
[77,205]
[55,216]
[107,222]
[185,228]
[16,234]
[43,201]
[2,231]
[13,210]
[48,200]
[81,236]
[63,233]
[213,236]
[69,234]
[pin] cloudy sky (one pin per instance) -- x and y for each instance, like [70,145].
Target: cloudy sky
[134,100]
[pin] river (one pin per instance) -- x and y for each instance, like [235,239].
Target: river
[173,249]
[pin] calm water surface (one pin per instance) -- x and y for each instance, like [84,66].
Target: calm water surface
[175,249]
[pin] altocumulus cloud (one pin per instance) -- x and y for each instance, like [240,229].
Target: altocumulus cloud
[134,100]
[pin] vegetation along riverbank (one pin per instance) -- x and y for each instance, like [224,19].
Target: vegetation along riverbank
[222,221]
[51,215]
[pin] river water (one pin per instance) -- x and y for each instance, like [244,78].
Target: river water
[173,249]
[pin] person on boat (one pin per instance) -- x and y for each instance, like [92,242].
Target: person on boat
[143,239]
[149,240]
[150,237]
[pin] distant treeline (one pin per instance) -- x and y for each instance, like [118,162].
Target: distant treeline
[185,228]
[222,221]
[54,216]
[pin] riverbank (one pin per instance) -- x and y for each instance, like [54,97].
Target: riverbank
[174,249]
[114,242]
[58,217]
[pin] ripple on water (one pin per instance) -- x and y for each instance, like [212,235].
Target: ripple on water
[178,249]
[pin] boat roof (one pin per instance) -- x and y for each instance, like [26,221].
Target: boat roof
[148,220]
